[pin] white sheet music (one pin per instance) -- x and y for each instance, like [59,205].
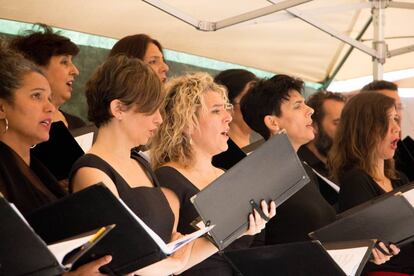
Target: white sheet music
[348,259]
[409,196]
[62,248]
[174,245]
[85,141]
[329,182]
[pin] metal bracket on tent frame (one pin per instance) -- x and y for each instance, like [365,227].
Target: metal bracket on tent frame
[214,26]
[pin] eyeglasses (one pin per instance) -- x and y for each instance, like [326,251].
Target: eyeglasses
[223,107]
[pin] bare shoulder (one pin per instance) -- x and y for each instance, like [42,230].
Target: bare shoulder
[85,177]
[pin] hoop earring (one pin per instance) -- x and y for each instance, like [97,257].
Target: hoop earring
[32,147]
[6,122]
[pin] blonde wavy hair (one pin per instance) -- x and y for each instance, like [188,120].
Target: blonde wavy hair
[184,100]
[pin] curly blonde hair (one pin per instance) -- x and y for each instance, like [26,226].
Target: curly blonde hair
[184,100]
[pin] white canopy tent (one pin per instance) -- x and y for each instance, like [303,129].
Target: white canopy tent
[277,42]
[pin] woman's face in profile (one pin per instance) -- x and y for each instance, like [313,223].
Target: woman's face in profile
[212,133]
[61,73]
[155,59]
[388,145]
[296,119]
[30,113]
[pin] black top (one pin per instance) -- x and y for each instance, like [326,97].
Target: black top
[302,213]
[306,155]
[358,187]
[27,187]
[230,157]
[404,157]
[184,189]
[73,121]
[148,203]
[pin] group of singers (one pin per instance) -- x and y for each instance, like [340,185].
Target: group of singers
[185,121]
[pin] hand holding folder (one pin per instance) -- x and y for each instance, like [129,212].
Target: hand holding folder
[23,252]
[132,244]
[272,172]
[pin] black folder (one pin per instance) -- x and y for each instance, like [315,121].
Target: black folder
[307,258]
[272,172]
[230,157]
[60,152]
[128,243]
[389,219]
[22,252]
[253,146]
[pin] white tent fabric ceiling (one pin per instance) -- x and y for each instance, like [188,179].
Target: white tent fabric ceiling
[278,43]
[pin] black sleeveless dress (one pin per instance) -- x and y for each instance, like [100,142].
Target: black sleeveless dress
[184,189]
[148,203]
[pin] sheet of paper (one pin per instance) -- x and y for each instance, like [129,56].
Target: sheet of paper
[62,248]
[85,141]
[409,196]
[173,246]
[348,259]
[329,182]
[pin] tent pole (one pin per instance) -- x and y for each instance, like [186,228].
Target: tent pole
[330,78]
[378,15]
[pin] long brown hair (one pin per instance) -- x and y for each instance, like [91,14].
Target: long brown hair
[364,123]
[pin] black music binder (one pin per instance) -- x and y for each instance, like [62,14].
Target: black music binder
[131,244]
[272,172]
[389,218]
[23,252]
[58,153]
[309,258]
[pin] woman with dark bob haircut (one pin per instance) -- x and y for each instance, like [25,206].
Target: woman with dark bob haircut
[361,161]
[145,48]
[124,96]
[53,53]
[25,118]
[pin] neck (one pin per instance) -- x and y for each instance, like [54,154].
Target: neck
[202,161]
[107,144]
[22,149]
[311,146]
[239,135]
[379,172]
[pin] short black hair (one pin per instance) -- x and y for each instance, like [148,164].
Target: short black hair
[317,100]
[266,98]
[379,85]
[40,46]
[235,80]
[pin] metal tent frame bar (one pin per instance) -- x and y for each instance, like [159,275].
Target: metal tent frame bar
[379,51]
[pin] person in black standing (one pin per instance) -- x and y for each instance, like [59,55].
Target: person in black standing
[26,115]
[196,126]
[273,105]
[362,162]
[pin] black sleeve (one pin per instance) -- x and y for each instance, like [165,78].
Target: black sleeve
[356,188]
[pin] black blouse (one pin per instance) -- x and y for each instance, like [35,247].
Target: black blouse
[302,213]
[215,265]
[27,187]
[358,187]
[148,203]
[73,121]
